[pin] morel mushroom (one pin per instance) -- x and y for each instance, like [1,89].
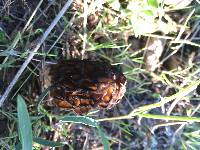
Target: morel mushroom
[82,85]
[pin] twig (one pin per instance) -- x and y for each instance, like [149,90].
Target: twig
[84,28]
[41,40]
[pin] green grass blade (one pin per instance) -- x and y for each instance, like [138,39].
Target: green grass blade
[15,41]
[41,98]
[24,124]
[44,142]
[9,53]
[183,92]
[174,118]
[90,122]
[103,138]
[80,119]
